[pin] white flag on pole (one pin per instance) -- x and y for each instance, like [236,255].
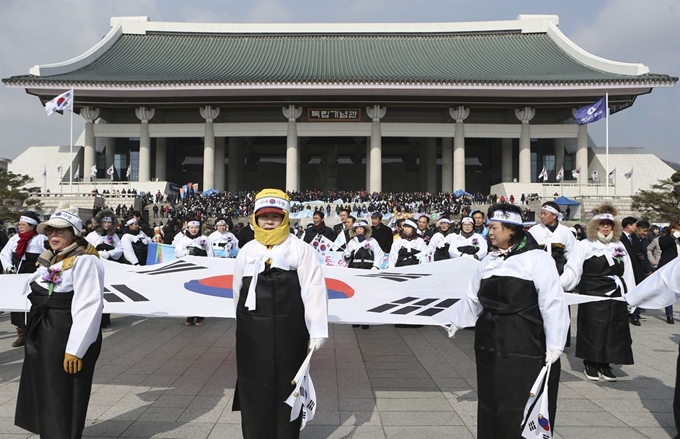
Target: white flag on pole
[543,174]
[576,173]
[129,170]
[60,170]
[93,171]
[60,103]
[76,175]
[44,173]
[595,175]
[612,174]
[110,171]
[560,174]
[628,174]
[303,399]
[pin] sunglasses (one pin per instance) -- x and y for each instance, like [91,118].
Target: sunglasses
[52,230]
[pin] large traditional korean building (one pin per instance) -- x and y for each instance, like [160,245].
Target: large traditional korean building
[393,107]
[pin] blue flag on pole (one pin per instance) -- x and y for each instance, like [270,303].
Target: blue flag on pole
[591,113]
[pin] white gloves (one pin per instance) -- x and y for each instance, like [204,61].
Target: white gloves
[316,343]
[552,355]
[104,254]
[451,330]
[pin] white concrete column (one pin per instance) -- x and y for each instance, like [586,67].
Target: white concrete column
[506,160]
[559,154]
[90,114]
[582,154]
[219,163]
[459,114]
[235,162]
[110,150]
[209,114]
[447,164]
[292,148]
[368,164]
[525,115]
[376,113]
[161,159]
[144,114]
[431,166]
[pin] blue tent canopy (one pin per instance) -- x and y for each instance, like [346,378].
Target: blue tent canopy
[564,201]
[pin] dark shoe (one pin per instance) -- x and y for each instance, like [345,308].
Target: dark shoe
[199,321]
[591,372]
[635,321]
[364,326]
[670,320]
[606,373]
[189,322]
[19,342]
[355,326]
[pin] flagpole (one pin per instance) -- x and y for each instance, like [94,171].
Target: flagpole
[606,134]
[70,167]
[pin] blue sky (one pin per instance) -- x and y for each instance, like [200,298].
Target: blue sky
[47,31]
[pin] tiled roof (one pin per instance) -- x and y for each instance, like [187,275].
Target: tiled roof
[477,59]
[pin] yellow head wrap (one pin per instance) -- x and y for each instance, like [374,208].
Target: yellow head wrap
[271,200]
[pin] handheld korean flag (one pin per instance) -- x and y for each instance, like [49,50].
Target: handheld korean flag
[576,173]
[60,103]
[595,175]
[612,174]
[323,244]
[537,424]
[340,240]
[591,113]
[560,174]
[628,174]
[93,171]
[543,174]
[303,399]
[110,171]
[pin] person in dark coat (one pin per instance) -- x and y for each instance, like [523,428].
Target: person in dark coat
[318,227]
[518,309]
[281,306]
[601,266]
[246,234]
[669,243]
[20,256]
[633,246]
[381,232]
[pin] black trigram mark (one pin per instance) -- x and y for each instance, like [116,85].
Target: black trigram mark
[397,277]
[415,305]
[133,295]
[175,267]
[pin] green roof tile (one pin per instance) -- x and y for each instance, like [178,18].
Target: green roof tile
[335,59]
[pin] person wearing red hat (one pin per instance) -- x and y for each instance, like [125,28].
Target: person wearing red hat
[281,306]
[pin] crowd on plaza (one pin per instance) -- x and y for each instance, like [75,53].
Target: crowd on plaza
[515,300]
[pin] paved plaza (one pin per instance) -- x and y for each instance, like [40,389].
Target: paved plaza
[157,378]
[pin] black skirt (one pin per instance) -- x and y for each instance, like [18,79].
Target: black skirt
[51,402]
[271,344]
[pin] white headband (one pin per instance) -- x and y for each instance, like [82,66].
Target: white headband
[221,223]
[131,221]
[604,216]
[550,209]
[363,224]
[506,217]
[445,220]
[28,220]
[194,223]
[106,219]
[410,224]
[276,202]
[467,219]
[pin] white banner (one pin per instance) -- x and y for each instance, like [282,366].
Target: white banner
[419,294]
